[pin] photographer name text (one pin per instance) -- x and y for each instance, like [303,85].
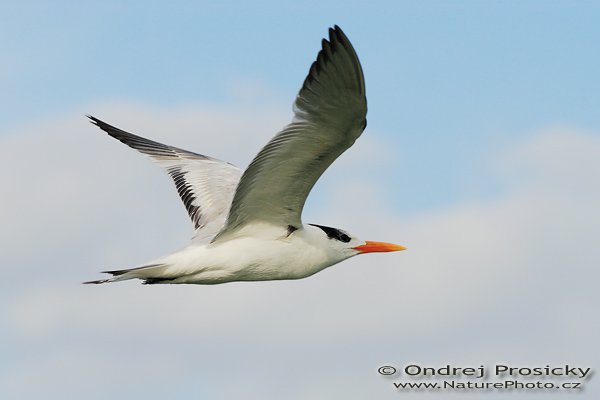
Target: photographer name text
[481,371]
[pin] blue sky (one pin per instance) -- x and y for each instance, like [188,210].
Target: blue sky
[481,155]
[507,68]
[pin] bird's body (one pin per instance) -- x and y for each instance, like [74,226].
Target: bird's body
[248,223]
[268,253]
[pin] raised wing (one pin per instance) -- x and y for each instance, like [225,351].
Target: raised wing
[205,185]
[330,114]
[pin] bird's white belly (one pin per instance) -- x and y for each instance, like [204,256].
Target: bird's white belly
[248,259]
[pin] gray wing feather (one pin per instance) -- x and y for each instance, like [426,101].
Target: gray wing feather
[329,115]
[206,185]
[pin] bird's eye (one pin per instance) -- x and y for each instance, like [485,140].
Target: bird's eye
[344,238]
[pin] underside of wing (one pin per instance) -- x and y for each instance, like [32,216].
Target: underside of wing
[205,185]
[330,114]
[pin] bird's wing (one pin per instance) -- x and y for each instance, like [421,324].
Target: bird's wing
[329,115]
[206,185]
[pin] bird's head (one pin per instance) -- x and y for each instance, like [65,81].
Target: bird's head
[349,246]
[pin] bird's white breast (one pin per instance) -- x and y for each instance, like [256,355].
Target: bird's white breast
[267,253]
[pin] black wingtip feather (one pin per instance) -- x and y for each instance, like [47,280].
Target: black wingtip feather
[338,41]
[339,33]
[93,119]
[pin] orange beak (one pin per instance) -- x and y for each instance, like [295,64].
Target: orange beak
[373,247]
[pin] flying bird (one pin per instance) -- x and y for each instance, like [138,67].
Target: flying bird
[248,224]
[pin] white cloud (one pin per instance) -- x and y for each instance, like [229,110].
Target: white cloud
[512,276]
[66,176]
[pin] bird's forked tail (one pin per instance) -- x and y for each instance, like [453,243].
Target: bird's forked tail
[150,274]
